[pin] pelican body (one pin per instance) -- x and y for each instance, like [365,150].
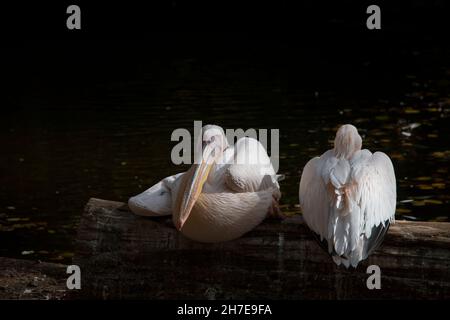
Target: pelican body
[227,194]
[348,198]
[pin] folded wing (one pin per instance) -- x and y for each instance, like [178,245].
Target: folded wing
[155,201]
[314,200]
[250,169]
[376,192]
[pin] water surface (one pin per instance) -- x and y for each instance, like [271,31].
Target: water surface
[106,133]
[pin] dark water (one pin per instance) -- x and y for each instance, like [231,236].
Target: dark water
[106,132]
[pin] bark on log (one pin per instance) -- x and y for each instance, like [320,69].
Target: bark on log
[125,256]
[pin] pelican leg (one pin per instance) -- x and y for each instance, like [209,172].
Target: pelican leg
[274,210]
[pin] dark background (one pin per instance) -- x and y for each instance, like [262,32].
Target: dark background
[207,25]
[89,113]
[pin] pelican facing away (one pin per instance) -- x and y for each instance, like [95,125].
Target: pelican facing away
[226,195]
[348,197]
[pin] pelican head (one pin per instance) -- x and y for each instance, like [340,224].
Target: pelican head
[214,143]
[347,141]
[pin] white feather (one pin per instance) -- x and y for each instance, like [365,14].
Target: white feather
[225,216]
[156,200]
[251,169]
[376,190]
[313,196]
[236,197]
[343,199]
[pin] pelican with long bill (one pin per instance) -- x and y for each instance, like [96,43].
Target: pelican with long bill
[228,193]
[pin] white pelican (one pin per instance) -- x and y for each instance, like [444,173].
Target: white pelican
[229,193]
[348,197]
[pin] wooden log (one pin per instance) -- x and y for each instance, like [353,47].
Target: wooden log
[32,280]
[125,256]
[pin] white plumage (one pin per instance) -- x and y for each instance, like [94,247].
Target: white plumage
[220,202]
[348,197]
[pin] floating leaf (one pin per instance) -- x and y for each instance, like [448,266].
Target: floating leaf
[419,203]
[67,254]
[407,144]
[24,225]
[422,197]
[423,178]
[58,258]
[410,110]
[378,133]
[441,154]
[411,126]
[432,201]
[17,219]
[410,218]
[424,187]
[382,118]
[397,156]
[402,210]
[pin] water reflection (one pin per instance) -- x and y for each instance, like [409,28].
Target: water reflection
[113,140]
